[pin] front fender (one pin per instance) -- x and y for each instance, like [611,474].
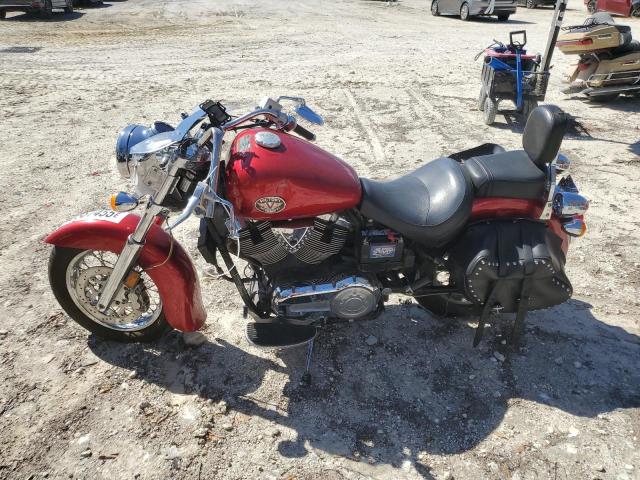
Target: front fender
[176,278]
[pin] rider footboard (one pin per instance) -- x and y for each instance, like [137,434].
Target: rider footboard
[514,266]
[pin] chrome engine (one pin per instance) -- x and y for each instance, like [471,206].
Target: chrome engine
[347,298]
[319,292]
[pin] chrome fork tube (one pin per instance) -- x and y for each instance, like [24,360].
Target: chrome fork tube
[129,254]
[214,173]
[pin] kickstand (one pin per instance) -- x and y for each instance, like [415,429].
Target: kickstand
[306,378]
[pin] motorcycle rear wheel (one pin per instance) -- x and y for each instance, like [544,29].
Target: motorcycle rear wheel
[452,305]
[77,277]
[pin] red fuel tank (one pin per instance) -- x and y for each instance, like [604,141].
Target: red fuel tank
[293,180]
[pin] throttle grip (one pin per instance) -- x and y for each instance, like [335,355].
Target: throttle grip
[304,133]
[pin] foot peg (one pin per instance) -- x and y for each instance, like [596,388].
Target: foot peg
[279,335]
[282,335]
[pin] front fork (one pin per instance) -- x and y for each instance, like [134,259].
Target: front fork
[135,242]
[131,250]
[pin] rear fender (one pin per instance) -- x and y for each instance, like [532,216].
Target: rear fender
[172,272]
[494,207]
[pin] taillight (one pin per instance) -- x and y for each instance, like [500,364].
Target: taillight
[575,43]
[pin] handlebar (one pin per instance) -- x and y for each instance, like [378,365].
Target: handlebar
[205,195]
[304,133]
[280,119]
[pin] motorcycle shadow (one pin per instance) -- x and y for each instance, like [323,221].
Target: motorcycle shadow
[419,385]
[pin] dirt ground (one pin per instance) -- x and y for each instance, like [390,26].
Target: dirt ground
[397,88]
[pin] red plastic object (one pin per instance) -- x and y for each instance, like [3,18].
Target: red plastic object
[621,7]
[295,180]
[564,43]
[177,280]
[492,53]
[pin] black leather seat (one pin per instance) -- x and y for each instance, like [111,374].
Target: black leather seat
[432,204]
[508,174]
[521,173]
[429,205]
[631,47]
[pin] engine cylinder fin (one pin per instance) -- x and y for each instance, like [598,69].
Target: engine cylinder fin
[258,242]
[321,242]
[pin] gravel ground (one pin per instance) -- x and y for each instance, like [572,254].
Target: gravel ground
[397,88]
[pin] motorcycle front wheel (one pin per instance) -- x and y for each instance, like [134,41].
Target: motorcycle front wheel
[77,278]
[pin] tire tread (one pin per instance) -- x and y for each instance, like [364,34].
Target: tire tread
[58,262]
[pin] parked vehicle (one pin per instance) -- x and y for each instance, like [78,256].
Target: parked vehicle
[536,3]
[480,231]
[609,59]
[627,8]
[510,73]
[467,9]
[42,7]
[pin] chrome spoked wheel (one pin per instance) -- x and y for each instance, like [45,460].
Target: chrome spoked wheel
[134,308]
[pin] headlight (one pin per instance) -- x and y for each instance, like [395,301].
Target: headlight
[132,135]
[127,138]
[150,171]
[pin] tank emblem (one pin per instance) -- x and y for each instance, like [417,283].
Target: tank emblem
[244,145]
[267,139]
[270,204]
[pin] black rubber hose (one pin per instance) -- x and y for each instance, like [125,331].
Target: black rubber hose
[304,133]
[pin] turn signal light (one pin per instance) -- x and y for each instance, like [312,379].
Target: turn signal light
[123,202]
[569,203]
[132,279]
[575,227]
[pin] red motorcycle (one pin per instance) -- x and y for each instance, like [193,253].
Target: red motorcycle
[479,231]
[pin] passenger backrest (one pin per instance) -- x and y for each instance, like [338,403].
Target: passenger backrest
[543,134]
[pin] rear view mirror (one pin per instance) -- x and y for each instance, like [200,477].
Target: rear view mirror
[309,115]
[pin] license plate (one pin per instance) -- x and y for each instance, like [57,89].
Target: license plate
[101,215]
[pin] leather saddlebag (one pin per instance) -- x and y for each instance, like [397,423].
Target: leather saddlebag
[501,262]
